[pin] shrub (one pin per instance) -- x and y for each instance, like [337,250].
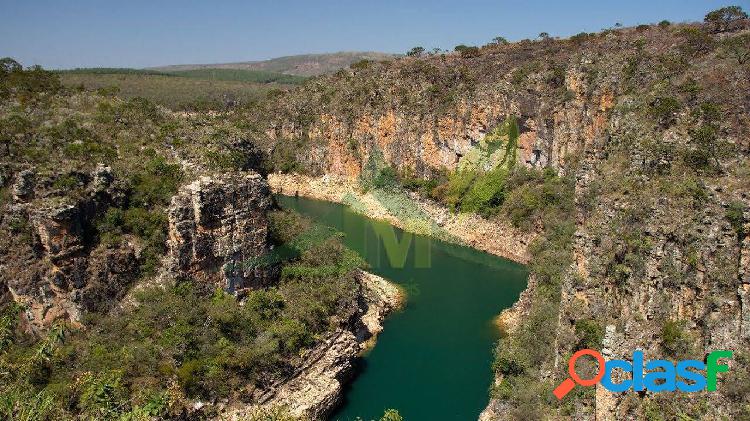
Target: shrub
[706,149]
[150,226]
[157,183]
[695,41]
[579,37]
[361,64]
[590,334]
[66,182]
[233,160]
[664,109]
[664,24]
[735,215]
[385,179]
[737,47]
[486,194]
[533,194]
[674,340]
[467,51]
[284,156]
[391,415]
[420,185]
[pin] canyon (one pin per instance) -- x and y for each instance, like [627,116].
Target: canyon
[615,165]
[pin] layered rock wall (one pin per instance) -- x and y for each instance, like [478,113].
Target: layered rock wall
[51,264]
[218,232]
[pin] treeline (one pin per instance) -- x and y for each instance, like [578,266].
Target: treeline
[232,75]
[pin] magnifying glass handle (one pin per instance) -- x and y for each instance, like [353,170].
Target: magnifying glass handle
[564,388]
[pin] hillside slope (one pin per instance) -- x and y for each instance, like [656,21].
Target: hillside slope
[299,65]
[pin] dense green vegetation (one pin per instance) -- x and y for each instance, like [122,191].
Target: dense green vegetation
[176,344]
[110,71]
[177,93]
[235,75]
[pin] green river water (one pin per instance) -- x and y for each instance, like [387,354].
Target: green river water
[432,361]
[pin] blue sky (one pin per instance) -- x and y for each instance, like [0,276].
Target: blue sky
[136,33]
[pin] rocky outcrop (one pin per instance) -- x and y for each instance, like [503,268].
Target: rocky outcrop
[315,387]
[52,265]
[743,291]
[23,188]
[218,232]
[218,238]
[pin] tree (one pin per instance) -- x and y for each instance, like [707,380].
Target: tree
[544,36]
[737,47]
[391,415]
[8,65]
[696,41]
[13,127]
[664,24]
[468,52]
[721,19]
[415,52]
[500,40]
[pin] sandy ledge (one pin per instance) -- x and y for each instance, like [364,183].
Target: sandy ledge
[492,236]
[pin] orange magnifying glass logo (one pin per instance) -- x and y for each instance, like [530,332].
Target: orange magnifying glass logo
[568,384]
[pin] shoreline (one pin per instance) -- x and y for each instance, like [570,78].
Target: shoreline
[317,387]
[426,218]
[494,237]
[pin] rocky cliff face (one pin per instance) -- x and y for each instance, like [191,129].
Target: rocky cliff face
[218,232]
[424,115]
[639,118]
[50,263]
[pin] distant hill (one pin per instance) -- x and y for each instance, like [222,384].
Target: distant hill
[299,65]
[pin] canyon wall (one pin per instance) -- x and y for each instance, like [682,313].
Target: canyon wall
[650,122]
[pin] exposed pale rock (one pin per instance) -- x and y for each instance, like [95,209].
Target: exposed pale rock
[218,231]
[315,388]
[102,177]
[23,188]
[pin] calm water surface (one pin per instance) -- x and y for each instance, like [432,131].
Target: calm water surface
[432,361]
